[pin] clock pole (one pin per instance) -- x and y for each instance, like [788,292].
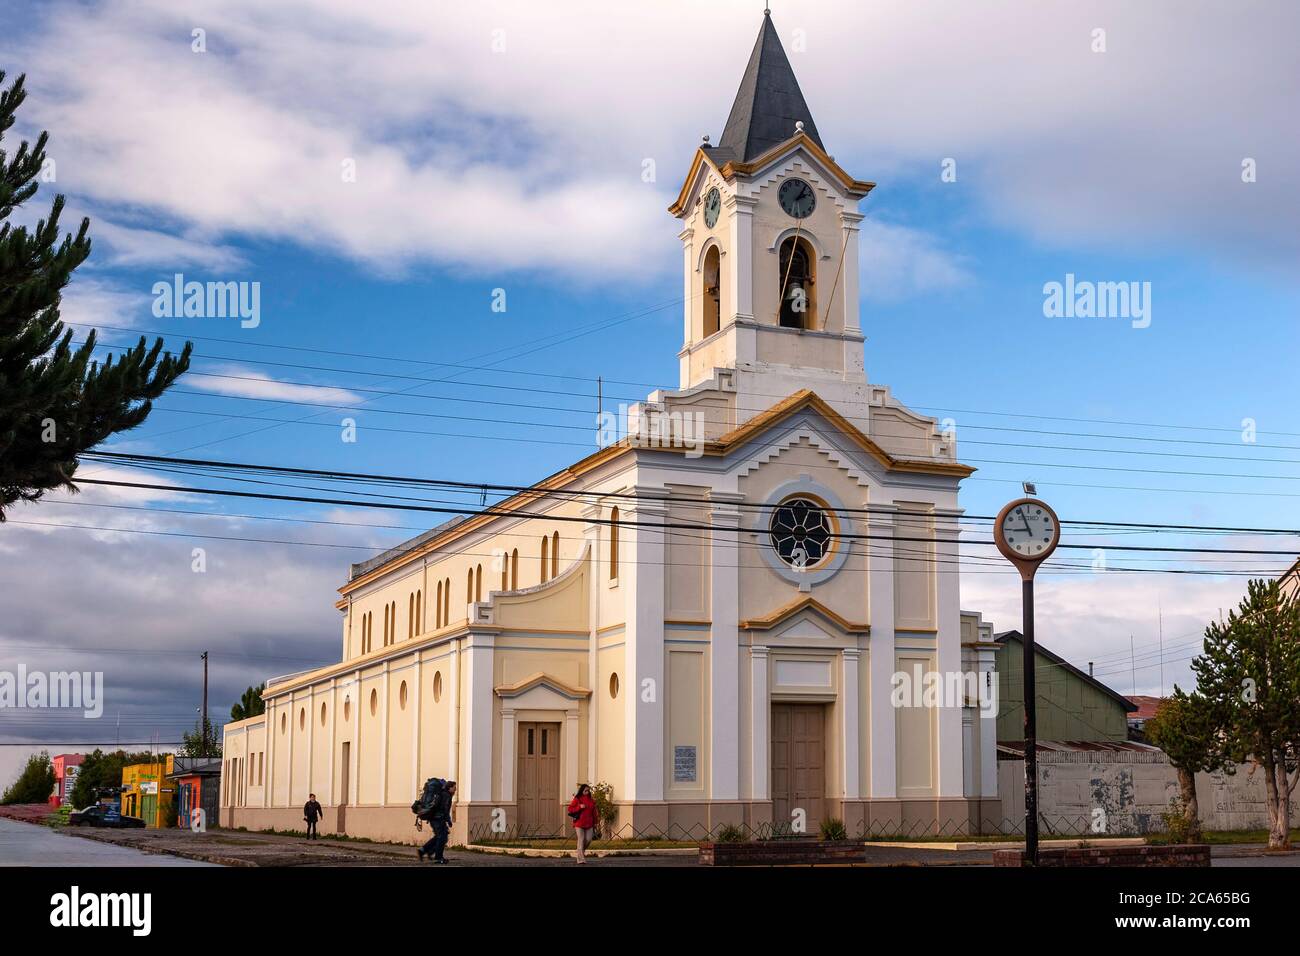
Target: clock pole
[1031,724]
[1027,531]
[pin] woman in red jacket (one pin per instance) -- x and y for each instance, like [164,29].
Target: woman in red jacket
[582,810]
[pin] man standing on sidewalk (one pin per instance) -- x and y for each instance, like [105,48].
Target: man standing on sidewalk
[311,812]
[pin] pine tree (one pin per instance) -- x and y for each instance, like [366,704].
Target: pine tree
[55,402]
[1183,727]
[250,704]
[1249,673]
[35,783]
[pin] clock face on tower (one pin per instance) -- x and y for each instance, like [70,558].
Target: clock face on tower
[712,206]
[1030,529]
[797,198]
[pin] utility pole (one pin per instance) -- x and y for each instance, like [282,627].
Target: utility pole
[1160,621]
[1132,665]
[203,720]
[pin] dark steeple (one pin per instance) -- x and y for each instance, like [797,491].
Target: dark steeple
[767,105]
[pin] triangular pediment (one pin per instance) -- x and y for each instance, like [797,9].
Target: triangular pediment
[806,400]
[542,682]
[708,160]
[804,611]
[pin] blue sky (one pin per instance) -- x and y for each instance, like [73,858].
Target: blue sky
[519,168]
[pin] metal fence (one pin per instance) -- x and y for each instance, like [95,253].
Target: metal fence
[1076,825]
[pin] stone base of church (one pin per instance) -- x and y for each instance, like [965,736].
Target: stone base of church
[927,817]
[676,820]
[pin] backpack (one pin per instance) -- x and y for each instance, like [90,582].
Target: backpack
[430,798]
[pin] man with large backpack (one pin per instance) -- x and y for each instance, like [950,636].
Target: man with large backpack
[436,807]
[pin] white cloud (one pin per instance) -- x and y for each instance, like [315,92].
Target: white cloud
[129,246]
[93,301]
[530,158]
[899,262]
[1091,618]
[260,609]
[250,383]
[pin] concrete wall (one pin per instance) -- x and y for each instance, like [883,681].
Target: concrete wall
[1126,793]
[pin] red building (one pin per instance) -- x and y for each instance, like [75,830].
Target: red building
[66,767]
[198,784]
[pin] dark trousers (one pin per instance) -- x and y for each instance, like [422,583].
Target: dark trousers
[311,829]
[438,842]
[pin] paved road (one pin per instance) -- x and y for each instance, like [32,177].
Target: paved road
[29,844]
[1250,855]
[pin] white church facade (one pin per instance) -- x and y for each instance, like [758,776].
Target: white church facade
[708,614]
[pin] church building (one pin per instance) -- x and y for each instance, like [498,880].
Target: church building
[712,614]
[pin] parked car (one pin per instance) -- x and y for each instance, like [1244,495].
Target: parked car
[103,815]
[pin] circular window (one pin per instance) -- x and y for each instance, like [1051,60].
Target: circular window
[322,715]
[613,686]
[437,686]
[347,708]
[401,696]
[374,702]
[302,718]
[801,533]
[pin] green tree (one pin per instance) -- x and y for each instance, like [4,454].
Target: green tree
[1183,727]
[34,784]
[102,771]
[250,704]
[193,743]
[1250,675]
[55,402]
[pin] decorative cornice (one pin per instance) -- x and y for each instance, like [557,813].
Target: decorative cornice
[797,607]
[722,446]
[809,399]
[539,680]
[856,188]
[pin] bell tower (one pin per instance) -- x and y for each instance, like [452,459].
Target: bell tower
[770,243]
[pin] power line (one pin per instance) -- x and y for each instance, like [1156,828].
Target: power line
[588,428]
[668,387]
[925,561]
[536,492]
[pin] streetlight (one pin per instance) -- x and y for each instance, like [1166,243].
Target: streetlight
[1026,532]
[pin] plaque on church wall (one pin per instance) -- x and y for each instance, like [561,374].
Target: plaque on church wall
[683,765]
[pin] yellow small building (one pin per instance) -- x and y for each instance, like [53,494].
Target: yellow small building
[146,791]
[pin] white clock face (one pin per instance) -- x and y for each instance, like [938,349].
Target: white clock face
[1029,530]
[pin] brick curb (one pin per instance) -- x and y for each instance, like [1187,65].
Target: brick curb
[560,854]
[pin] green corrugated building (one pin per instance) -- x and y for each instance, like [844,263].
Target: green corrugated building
[1071,704]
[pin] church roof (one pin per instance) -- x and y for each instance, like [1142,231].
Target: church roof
[444,534]
[768,104]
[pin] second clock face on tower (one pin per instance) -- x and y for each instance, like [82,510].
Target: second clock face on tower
[712,206]
[797,198]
